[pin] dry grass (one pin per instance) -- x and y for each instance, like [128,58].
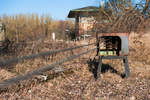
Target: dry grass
[77,82]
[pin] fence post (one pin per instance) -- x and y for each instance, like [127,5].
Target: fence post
[53,36]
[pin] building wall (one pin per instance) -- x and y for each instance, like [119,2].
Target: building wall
[85,24]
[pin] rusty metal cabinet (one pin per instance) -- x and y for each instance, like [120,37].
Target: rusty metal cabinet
[113,46]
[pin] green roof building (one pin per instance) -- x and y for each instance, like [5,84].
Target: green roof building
[84,19]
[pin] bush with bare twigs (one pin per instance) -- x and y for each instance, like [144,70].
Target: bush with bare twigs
[123,16]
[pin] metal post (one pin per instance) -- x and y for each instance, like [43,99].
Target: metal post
[97,44]
[126,67]
[99,69]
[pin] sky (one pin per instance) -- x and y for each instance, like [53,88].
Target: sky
[57,9]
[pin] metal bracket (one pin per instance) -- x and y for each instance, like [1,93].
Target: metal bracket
[125,61]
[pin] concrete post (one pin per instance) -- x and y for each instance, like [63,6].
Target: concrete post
[53,36]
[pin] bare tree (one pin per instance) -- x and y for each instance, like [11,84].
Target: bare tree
[122,16]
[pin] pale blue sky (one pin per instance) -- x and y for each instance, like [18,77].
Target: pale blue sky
[58,9]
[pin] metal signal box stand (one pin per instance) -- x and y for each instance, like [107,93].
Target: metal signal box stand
[113,46]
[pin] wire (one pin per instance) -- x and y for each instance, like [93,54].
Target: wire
[28,75]
[32,56]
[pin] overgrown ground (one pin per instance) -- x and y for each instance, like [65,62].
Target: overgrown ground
[77,81]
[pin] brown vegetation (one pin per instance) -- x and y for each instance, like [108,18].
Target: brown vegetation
[31,27]
[77,80]
[122,16]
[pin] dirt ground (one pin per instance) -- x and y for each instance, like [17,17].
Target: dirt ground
[77,81]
